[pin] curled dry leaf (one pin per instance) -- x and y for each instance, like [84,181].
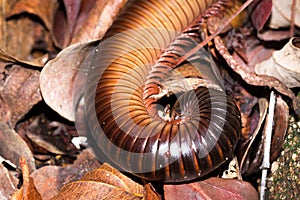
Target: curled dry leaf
[28,190]
[212,188]
[84,20]
[13,147]
[250,152]
[45,10]
[93,24]
[282,12]
[109,175]
[284,64]
[19,94]
[58,77]
[104,182]
[253,78]
[260,12]
[281,118]
[91,190]
[8,183]
[49,179]
[17,39]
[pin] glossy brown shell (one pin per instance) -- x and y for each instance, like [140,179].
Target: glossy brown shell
[122,115]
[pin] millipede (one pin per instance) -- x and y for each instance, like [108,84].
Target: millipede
[151,117]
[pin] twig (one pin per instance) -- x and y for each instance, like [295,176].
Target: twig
[293,13]
[219,30]
[267,146]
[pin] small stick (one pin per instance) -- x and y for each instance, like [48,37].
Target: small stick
[209,38]
[267,146]
[293,12]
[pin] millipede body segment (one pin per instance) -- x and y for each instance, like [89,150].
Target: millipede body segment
[151,117]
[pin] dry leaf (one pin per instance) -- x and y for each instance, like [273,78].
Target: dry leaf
[281,13]
[28,190]
[44,144]
[50,179]
[253,78]
[92,190]
[8,184]
[19,94]
[284,64]
[212,188]
[13,147]
[109,175]
[57,80]
[251,149]
[17,40]
[260,13]
[93,24]
[281,118]
[45,10]
[102,183]
[150,193]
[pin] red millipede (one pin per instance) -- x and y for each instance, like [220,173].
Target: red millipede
[149,116]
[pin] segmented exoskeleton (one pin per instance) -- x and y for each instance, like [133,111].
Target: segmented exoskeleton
[150,116]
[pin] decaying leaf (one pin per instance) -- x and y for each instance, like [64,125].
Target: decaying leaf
[212,188]
[104,182]
[28,190]
[93,23]
[261,11]
[8,183]
[57,80]
[45,10]
[253,78]
[250,151]
[19,94]
[281,118]
[18,37]
[49,179]
[282,12]
[13,147]
[109,175]
[91,190]
[150,193]
[284,64]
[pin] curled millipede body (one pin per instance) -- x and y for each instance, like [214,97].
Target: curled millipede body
[151,117]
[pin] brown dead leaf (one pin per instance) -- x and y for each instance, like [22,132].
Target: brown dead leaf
[50,179]
[104,182]
[17,40]
[28,190]
[150,193]
[57,80]
[93,22]
[23,38]
[19,94]
[45,10]
[281,118]
[261,13]
[44,144]
[109,175]
[284,64]
[253,78]
[271,35]
[13,147]
[48,138]
[85,20]
[92,190]
[212,188]
[251,149]
[8,184]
